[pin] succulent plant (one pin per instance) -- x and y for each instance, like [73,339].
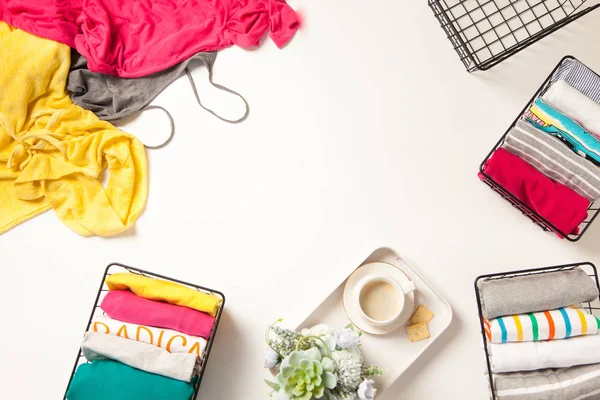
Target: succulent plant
[305,375]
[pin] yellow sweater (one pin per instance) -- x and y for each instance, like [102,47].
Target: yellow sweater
[52,151]
[170,292]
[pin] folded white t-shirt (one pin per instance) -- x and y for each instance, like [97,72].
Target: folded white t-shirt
[529,356]
[140,355]
[168,339]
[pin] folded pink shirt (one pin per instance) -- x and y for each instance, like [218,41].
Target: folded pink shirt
[560,205]
[126,306]
[139,37]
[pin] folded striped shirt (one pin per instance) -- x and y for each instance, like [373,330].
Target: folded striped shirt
[554,159]
[580,77]
[575,383]
[545,325]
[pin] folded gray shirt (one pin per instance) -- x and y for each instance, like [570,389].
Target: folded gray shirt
[538,292]
[557,161]
[580,382]
[112,98]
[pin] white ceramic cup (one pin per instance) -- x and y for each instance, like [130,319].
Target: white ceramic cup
[389,295]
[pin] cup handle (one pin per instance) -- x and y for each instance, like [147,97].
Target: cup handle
[408,287]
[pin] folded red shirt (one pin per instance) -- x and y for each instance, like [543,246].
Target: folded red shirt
[133,38]
[126,306]
[558,204]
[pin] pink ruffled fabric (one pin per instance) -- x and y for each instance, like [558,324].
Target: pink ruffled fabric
[126,306]
[137,38]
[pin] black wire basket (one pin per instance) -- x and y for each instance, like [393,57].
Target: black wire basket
[97,311]
[592,307]
[593,209]
[486,32]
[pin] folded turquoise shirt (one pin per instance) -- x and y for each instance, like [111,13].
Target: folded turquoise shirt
[554,122]
[111,380]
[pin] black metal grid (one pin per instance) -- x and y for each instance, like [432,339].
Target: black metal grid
[103,290]
[592,307]
[594,208]
[486,32]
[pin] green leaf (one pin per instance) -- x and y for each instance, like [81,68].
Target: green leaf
[329,380]
[328,364]
[307,395]
[349,326]
[372,371]
[287,372]
[273,385]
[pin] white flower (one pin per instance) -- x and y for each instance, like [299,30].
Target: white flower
[317,330]
[329,341]
[279,396]
[271,358]
[324,333]
[366,391]
[349,369]
[346,338]
[355,350]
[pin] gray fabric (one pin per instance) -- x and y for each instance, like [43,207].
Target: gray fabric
[112,98]
[171,123]
[210,79]
[520,385]
[539,292]
[557,161]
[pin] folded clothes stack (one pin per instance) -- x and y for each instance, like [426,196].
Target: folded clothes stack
[550,158]
[148,343]
[541,342]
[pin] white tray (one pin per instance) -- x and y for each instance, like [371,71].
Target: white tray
[393,352]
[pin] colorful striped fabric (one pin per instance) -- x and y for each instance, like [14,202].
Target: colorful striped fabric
[544,325]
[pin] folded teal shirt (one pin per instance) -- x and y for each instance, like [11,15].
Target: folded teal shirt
[111,380]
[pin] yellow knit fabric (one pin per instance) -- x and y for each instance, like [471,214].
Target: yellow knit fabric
[52,151]
[170,292]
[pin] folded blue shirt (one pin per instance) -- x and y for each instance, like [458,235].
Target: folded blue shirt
[111,380]
[554,122]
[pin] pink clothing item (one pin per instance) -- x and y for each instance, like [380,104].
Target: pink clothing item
[131,39]
[561,206]
[126,306]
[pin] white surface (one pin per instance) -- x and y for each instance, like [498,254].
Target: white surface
[366,130]
[393,352]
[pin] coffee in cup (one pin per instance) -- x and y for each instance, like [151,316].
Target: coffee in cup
[381,299]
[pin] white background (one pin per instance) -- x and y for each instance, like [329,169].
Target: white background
[365,131]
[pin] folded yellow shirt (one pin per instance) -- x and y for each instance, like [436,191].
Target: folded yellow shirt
[52,151]
[156,289]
